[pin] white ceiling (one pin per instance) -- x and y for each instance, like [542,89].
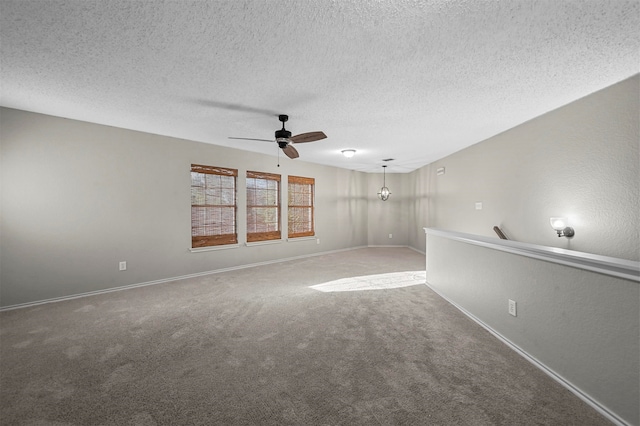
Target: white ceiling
[413,80]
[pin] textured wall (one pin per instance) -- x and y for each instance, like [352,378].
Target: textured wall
[77,198]
[581,161]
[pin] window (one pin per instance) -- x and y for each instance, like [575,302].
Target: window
[213,206]
[263,206]
[301,206]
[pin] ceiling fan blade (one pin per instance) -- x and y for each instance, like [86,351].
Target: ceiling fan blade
[291,152]
[252,139]
[308,137]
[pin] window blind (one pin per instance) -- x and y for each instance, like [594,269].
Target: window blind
[213,206]
[263,206]
[300,206]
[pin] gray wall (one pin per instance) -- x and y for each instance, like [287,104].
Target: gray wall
[582,325]
[580,161]
[77,198]
[391,216]
[420,205]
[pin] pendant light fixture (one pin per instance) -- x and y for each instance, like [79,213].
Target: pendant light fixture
[384,191]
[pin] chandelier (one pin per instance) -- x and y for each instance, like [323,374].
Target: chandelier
[384,191]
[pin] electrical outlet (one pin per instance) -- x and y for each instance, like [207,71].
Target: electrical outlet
[390,235]
[318,241]
[123,266]
[479,205]
[512,308]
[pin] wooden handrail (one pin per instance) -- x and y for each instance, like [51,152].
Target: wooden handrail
[500,233]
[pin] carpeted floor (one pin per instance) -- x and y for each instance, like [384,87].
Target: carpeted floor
[260,346]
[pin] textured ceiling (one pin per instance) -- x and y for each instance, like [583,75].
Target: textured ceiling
[405,79]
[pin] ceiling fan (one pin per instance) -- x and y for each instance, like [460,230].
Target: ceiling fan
[285,141]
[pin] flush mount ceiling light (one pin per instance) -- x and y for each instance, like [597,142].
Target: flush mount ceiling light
[348,152]
[384,191]
[560,225]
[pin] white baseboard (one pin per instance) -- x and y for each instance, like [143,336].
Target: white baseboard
[390,246]
[181,277]
[166,280]
[555,376]
[418,251]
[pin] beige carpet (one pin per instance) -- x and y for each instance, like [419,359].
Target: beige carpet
[260,346]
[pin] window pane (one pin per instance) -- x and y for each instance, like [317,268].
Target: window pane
[227,197]
[261,198]
[227,182]
[212,181]
[197,179]
[197,195]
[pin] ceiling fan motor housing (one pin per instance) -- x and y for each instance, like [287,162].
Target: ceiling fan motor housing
[282,137]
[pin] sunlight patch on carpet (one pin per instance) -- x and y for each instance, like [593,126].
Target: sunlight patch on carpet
[374,282]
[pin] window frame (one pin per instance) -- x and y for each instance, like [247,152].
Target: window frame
[299,180]
[253,237]
[212,240]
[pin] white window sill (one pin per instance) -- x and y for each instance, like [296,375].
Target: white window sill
[291,240]
[212,248]
[262,243]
